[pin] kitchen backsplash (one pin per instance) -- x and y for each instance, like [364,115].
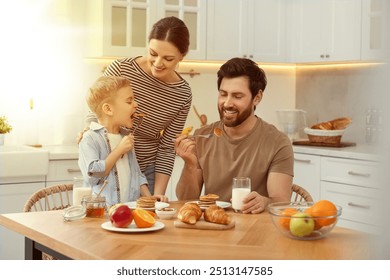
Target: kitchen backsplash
[329,92]
[325,92]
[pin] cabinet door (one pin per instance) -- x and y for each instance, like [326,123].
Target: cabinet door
[227,29]
[193,13]
[325,30]
[62,172]
[267,30]
[373,29]
[307,173]
[119,28]
[246,28]
[360,205]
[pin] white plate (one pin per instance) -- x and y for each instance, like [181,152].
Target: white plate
[158,205]
[221,204]
[132,227]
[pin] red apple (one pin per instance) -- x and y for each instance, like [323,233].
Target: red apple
[121,216]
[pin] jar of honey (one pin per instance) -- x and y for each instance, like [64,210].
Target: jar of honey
[95,206]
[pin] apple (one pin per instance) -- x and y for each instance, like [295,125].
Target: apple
[301,224]
[113,208]
[121,216]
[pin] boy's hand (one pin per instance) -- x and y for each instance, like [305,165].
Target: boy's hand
[126,144]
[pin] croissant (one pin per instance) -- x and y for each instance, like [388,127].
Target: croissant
[190,213]
[217,215]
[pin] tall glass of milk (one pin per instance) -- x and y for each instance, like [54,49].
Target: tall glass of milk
[79,190]
[241,188]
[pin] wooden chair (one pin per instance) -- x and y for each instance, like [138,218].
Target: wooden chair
[51,198]
[299,194]
[48,199]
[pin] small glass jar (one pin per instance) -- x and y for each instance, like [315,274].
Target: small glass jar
[95,206]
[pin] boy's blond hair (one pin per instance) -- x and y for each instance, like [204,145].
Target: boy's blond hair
[103,91]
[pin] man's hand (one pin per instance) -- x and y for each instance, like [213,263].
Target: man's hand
[254,203]
[185,148]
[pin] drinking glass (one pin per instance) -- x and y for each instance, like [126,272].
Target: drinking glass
[79,190]
[241,188]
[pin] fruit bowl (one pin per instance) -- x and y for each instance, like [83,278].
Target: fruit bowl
[305,220]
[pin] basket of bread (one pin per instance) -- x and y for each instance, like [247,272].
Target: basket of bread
[329,132]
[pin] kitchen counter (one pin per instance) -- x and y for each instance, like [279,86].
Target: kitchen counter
[359,152]
[62,152]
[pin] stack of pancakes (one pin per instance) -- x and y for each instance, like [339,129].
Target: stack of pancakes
[208,200]
[146,202]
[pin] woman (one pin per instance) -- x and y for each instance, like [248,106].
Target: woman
[162,95]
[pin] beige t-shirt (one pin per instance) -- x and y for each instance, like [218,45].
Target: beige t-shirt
[265,149]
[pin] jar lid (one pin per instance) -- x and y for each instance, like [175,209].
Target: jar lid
[74,213]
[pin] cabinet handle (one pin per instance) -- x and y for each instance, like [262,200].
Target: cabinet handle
[359,205]
[322,56]
[250,56]
[244,55]
[353,173]
[71,170]
[327,56]
[302,160]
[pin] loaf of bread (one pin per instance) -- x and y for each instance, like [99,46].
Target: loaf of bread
[336,124]
[190,213]
[216,214]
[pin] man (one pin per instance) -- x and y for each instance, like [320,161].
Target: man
[248,145]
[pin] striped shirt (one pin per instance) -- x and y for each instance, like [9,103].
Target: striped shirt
[166,107]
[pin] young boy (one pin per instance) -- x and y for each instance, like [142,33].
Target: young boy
[105,152]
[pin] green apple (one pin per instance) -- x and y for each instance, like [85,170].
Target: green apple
[301,224]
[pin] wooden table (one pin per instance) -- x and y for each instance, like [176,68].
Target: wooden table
[253,237]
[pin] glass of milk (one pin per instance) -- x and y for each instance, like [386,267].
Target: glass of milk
[79,190]
[241,188]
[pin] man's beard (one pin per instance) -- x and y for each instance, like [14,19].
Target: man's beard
[233,120]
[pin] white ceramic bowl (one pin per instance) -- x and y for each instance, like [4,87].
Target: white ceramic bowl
[166,213]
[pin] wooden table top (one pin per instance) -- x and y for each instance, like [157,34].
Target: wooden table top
[253,237]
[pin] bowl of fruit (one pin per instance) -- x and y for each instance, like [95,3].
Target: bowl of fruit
[305,220]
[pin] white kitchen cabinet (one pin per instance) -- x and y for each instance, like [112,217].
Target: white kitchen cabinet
[13,196]
[374,27]
[353,185]
[307,171]
[326,30]
[121,28]
[62,172]
[254,29]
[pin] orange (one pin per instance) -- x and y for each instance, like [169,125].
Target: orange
[323,208]
[285,222]
[142,218]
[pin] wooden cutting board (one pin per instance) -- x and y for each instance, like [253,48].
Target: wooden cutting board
[202,224]
[337,145]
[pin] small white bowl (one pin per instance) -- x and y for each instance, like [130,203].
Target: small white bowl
[166,213]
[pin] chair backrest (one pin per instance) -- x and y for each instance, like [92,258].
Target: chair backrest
[299,194]
[50,198]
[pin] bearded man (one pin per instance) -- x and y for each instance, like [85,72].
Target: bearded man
[248,146]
